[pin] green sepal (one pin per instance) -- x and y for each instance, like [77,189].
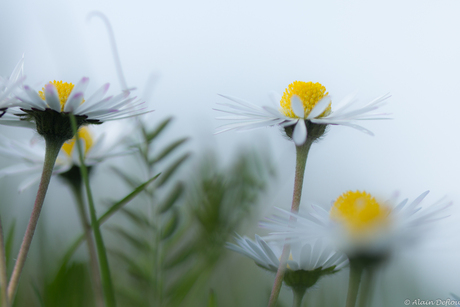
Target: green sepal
[55,126]
[314,131]
[301,279]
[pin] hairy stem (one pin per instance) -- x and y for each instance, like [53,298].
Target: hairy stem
[52,150]
[301,162]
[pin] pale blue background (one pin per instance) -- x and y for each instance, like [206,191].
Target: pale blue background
[249,48]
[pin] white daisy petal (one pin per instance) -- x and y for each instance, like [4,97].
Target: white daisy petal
[73,102]
[391,227]
[97,96]
[275,99]
[300,133]
[18,70]
[52,97]
[297,106]
[305,256]
[29,182]
[95,109]
[35,100]
[320,107]
[344,115]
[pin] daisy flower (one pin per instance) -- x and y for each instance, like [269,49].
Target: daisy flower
[9,86]
[48,109]
[303,106]
[99,144]
[306,264]
[359,224]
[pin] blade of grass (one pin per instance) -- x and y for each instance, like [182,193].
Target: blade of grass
[109,294]
[117,206]
[3,274]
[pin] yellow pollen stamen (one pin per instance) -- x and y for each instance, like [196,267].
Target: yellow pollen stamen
[359,212]
[308,92]
[85,135]
[63,88]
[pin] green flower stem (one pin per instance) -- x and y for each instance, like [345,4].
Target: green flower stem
[53,146]
[301,162]
[298,293]
[96,278]
[367,290]
[356,272]
[109,294]
[3,273]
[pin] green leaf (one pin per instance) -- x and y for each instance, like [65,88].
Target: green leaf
[129,180]
[172,198]
[132,239]
[180,257]
[170,148]
[212,301]
[135,269]
[137,217]
[170,226]
[37,293]
[172,169]
[117,206]
[9,242]
[150,136]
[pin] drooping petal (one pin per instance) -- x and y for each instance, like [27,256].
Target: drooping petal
[300,133]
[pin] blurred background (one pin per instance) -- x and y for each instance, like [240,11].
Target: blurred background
[181,54]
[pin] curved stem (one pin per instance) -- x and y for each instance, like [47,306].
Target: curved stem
[301,162]
[78,194]
[356,271]
[109,294]
[3,273]
[52,150]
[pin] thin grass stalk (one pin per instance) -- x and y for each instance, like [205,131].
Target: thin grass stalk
[107,285]
[3,273]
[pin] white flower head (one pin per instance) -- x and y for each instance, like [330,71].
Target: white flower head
[312,259]
[98,143]
[358,224]
[9,86]
[47,110]
[302,103]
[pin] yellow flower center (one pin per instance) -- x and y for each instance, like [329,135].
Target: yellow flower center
[63,89]
[83,134]
[308,92]
[359,212]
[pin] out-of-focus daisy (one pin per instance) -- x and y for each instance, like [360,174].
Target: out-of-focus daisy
[359,224]
[307,262]
[8,86]
[48,109]
[302,105]
[98,144]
